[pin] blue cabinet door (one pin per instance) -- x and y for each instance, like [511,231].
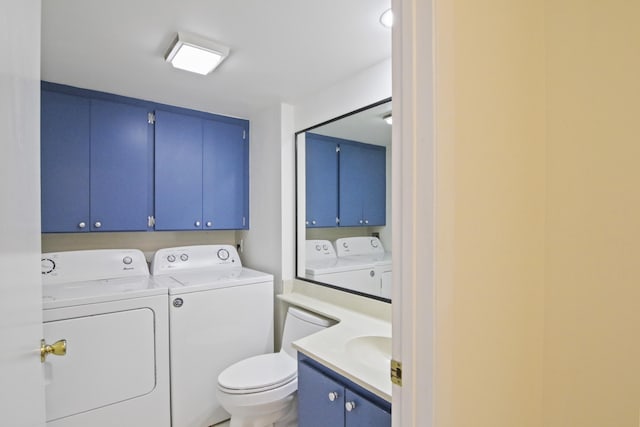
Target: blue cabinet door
[121,167]
[315,408]
[321,189]
[352,185]
[364,413]
[375,182]
[178,171]
[65,148]
[362,184]
[225,173]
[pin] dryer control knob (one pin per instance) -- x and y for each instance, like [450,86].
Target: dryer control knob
[127,260]
[223,254]
[171,258]
[178,302]
[184,257]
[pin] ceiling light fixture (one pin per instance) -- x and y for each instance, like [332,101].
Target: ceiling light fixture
[387,118]
[196,54]
[386,19]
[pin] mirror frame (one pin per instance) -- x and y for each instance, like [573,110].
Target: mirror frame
[297,201]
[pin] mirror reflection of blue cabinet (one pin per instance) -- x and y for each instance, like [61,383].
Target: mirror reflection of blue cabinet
[95,164]
[321,173]
[345,183]
[328,399]
[201,173]
[362,184]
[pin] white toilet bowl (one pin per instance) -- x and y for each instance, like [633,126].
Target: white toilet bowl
[261,391]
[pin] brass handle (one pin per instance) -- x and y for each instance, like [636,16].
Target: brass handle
[58,348]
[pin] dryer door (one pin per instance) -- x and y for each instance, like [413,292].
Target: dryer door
[110,358]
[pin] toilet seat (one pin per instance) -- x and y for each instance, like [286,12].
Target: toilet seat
[258,374]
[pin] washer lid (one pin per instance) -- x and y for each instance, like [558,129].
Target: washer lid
[258,373]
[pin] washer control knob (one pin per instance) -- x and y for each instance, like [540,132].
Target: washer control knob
[127,260]
[184,257]
[48,265]
[223,254]
[318,247]
[171,258]
[325,247]
[178,302]
[97,224]
[82,225]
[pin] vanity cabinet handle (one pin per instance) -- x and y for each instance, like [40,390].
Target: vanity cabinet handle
[350,406]
[209,223]
[197,223]
[333,396]
[82,225]
[98,224]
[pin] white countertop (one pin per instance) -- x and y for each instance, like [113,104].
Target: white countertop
[333,347]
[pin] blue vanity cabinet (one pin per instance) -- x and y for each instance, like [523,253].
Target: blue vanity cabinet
[95,164]
[225,160]
[326,398]
[201,173]
[362,184]
[321,171]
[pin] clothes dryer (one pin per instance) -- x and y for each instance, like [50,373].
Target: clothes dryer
[115,322]
[367,250]
[220,313]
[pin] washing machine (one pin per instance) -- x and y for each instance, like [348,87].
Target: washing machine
[367,250]
[219,313]
[323,265]
[115,322]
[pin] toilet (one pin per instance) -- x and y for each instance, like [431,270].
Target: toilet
[261,391]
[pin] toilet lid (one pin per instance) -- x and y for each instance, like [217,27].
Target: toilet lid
[258,373]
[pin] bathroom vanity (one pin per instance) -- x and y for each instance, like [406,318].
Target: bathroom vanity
[344,370]
[327,398]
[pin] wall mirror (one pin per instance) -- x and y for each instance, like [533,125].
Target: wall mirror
[343,186]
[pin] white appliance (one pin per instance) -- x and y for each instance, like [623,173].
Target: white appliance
[323,265]
[115,321]
[219,313]
[367,250]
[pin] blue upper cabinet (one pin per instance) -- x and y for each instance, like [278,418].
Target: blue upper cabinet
[362,188]
[178,171]
[321,171]
[201,171]
[225,176]
[121,167]
[95,163]
[65,132]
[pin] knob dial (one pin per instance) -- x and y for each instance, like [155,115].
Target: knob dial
[223,254]
[184,257]
[325,247]
[127,260]
[171,258]
[374,243]
[317,247]
[97,224]
[48,265]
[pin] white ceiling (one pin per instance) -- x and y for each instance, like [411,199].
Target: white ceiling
[281,50]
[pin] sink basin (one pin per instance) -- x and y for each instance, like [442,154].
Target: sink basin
[373,351]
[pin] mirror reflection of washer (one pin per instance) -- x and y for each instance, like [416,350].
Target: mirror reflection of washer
[115,321]
[220,312]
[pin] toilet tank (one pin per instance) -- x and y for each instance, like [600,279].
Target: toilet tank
[300,323]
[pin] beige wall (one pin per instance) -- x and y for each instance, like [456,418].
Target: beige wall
[592,302]
[490,213]
[537,213]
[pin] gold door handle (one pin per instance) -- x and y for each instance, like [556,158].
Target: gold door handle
[58,348]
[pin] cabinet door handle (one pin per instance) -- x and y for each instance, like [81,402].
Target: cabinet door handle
[366,221]
[82,225]
[97,224]
[333,396]
[209,223]
[350,406]
[361,221]
[197,223]
[313,222]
